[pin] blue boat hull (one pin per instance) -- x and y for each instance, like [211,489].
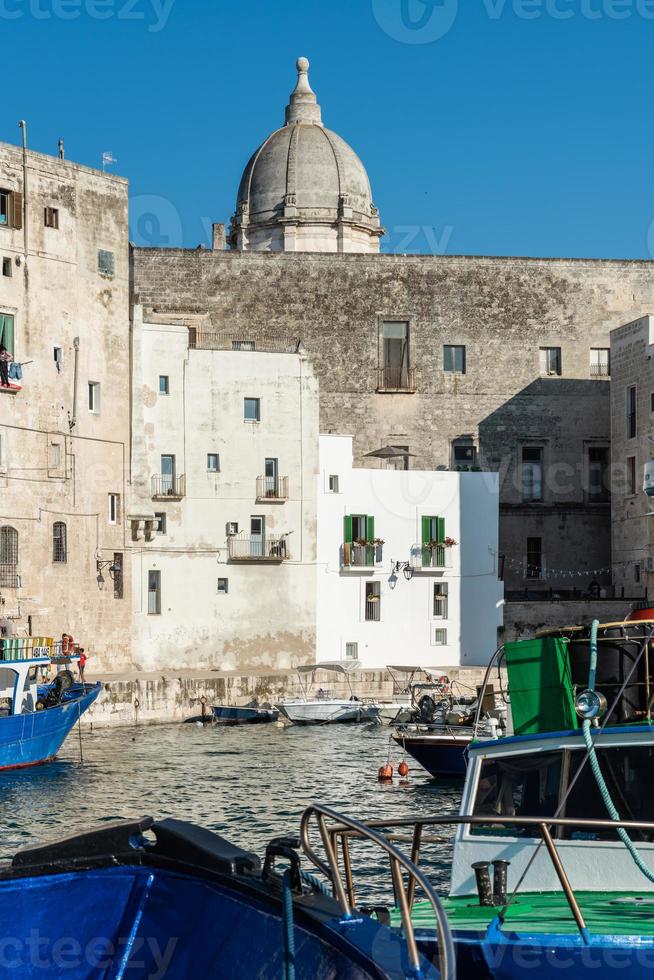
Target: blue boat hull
[30,739]
[227,714]
[439,757]
[193,905]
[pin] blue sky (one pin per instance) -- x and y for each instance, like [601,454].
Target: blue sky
[487,126]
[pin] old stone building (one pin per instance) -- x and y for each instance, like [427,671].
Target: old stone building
[64,425]
[461,361]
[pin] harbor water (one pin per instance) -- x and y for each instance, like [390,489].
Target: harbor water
[248,784]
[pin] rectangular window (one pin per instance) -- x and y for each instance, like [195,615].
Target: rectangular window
[51,217]
[454,358]
[58,357]
[637,573]
[105,262]
[433,537]
[464,454]
[440,638]
[118,575]
[631,476]
[651,402]
[160,522]
[600,361]
[631,412]
[213,462]
[55,455]
[11,208]
[598,474]
[154,593]
[7,331]
[550,361]
[167,474]
[270,487]
[395,354]
[223,586]
[164,384]
[351,651]
[373,602]
[333,483]
[257,536]
[7,268]
[94,397]
[59,543]
[440,600]
[534,558]
[252,409]
[532,473]
[359,548]
[114,508]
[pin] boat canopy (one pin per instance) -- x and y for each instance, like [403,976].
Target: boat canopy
[339,666]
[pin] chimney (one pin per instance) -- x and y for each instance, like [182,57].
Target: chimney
[218,242]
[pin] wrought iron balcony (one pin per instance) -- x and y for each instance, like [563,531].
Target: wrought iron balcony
[168,487]
[246,547]
[362,555]
[600,371]
[391,380]
[427,556]
[273,488]
[9,577]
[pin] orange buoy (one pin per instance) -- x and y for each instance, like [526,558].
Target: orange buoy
[385,773]
[403,769]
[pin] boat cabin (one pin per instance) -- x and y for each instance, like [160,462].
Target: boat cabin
[26,663]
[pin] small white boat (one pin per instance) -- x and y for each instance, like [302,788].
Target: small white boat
[321,708]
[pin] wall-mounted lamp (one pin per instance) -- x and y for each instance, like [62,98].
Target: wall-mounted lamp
[405,567]
[111,568]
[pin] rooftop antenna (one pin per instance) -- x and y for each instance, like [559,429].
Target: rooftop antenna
[107,159]
[60,146]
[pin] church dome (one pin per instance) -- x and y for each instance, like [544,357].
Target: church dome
[305,189]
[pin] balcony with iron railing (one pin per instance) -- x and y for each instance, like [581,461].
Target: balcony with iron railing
[273,489]
[9,577]
[247,547]
[367,555]
[600,371]
[430,557]
[168,487]
[392,379]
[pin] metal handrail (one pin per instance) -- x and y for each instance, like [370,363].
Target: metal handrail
[398,861]
[348,828]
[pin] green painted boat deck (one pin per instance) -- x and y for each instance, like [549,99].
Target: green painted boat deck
[606,913]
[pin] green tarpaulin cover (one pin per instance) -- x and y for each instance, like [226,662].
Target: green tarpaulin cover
[540,686]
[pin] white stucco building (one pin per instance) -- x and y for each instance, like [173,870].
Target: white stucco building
[389,590]
[223,509]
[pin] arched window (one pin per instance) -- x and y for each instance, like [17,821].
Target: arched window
[8,545]
[59,544]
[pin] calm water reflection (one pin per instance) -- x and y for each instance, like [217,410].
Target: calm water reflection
[249,784]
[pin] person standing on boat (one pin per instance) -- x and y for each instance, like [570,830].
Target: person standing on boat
[82,663]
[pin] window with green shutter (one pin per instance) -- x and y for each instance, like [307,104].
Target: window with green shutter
[358,528]
[7,331]
[433,534]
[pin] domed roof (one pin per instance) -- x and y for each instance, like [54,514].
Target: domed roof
[305,188]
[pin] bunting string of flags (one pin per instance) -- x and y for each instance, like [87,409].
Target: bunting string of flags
[543,571]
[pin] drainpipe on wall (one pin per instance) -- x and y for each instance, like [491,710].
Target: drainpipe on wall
[23,127]
[72,422]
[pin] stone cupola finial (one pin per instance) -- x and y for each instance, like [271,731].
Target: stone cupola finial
[303,106]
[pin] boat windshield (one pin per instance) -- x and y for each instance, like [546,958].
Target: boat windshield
[534,785]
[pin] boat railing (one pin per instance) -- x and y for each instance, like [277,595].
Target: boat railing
[343,887]
[410,830]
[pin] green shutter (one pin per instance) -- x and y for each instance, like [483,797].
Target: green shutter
[370,534]
[426,536]
[7,331]
[440,536]
[347,529]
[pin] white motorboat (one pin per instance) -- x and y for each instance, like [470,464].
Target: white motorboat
[323,709]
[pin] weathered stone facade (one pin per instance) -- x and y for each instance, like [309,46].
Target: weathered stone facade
[502,309]
[59,460]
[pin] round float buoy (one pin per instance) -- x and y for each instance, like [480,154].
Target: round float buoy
[403,769]
[385,773]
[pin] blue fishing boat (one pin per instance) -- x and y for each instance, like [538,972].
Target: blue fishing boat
[553,852]
[248,714]
[439,750]
[144,899]
[39,700]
